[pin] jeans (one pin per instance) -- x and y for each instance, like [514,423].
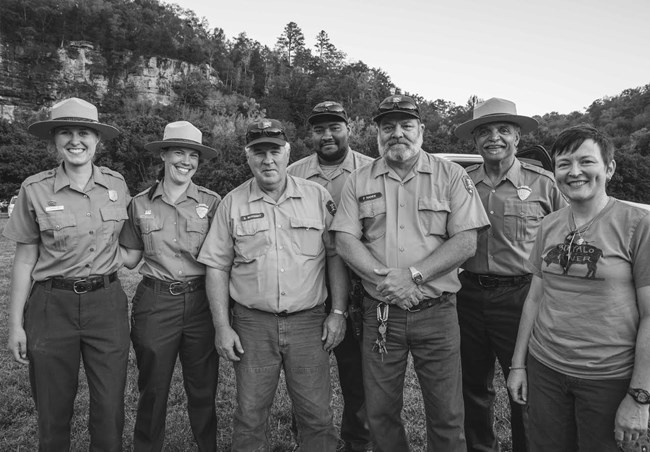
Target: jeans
[63,328]
[433,339]
[272,343]
[567,414]
[165,327]
[489,321]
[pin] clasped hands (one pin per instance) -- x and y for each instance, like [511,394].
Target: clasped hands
[399,288]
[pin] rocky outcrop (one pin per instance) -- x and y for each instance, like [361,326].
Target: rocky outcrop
[79,66]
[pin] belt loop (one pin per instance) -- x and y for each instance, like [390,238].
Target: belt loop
[48,285]
[107,281]
[156,285]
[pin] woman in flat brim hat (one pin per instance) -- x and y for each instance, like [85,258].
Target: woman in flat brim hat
[171,318]
[66,302]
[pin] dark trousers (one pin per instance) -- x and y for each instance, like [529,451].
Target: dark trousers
[489,321]
[354,429]
[63,328]
[165,326]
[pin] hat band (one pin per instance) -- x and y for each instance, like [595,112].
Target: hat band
[183,140]
[74,118]
[496,114]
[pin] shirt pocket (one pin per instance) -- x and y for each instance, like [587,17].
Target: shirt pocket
[58,232]
[307,236]
[150,230]
[252,239]
[197,229]
[433,215]
[372,216]
[521,219]
[113,218]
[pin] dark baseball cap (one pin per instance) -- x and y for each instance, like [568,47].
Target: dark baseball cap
[266,131]
[397,104]
[327,109]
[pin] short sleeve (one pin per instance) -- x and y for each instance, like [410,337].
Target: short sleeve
[130,236]
[467,211]
[347,212]
[22,226]
[639,246]
[218,247]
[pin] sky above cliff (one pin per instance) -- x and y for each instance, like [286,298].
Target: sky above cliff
[551,55]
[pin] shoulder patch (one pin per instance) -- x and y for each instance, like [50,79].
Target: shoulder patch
[331,207]
[39,177]
[537,169]
[110,172]
[370,197]
[469,184]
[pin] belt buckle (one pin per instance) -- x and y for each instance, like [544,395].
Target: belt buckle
[85,286]
[172,289]
[488,282]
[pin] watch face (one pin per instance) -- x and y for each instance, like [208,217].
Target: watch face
[640,395]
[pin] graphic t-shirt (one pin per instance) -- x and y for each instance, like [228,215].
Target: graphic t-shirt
[588,316]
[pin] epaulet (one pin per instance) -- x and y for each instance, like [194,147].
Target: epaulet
[537,169]
[110,172]
[473,167]
[39,177]
[142,193]
[208,191]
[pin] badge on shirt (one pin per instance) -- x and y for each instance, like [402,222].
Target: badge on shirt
[252,216]
[53,208]
[469,184]
[202,210]
[147,212]
[112,195]
[524,192]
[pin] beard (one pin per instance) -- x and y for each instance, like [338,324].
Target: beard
[399,150]
[332,157]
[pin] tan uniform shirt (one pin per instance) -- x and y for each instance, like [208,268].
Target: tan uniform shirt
[76,231]
[309,168]
[402,222]
[275,251]
[515,206]
[171,235]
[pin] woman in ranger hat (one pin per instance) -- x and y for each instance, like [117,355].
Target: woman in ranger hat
[66,302]
[171,317]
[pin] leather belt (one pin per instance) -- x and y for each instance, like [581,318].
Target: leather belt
[424,304]
[174,287]
[494,281]
[83,285]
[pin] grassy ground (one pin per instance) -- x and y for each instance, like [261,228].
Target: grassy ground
[18,429]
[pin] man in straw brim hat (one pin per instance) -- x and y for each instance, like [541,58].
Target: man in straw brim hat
[268,252]
[496,280]
[171,317]
[66,223]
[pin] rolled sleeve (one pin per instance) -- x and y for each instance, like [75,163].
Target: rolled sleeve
[218,248]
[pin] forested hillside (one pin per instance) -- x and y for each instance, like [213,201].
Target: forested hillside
[246,79]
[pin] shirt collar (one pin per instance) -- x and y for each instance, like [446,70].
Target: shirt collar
[192,191]
[314,167]
[514,174]
[62,180]
[423,165]
[292,190]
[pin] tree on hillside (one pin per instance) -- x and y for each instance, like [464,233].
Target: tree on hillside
[327,52]
[291,41]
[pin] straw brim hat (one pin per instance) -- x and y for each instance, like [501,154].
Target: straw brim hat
[72,112]
[182,134]
[495,110]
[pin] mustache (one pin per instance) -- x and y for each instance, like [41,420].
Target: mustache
[398,141]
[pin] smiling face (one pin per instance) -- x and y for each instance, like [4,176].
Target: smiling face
[76,145]
[180,164]
[399,137]
[497,142]
[582,175]
[268,163]
[330,139]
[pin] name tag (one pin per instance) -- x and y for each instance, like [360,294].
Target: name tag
[370,197]
[53,208]
[252,216]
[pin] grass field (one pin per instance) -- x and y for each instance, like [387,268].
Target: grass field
[18,429]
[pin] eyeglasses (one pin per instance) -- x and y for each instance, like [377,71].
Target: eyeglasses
[403,104]
[269,132]
[328,107]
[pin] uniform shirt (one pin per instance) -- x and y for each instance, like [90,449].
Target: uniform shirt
[76,231]
[309,168]
[402,222]
[171,235]
[275,251]
[515,206]
[588,317]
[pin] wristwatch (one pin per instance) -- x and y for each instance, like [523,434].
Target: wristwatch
[639,395]
[416,276]
[339,312]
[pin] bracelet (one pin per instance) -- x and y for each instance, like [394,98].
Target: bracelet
[517,367]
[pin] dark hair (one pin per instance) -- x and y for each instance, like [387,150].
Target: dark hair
[569,140]
[152,189]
